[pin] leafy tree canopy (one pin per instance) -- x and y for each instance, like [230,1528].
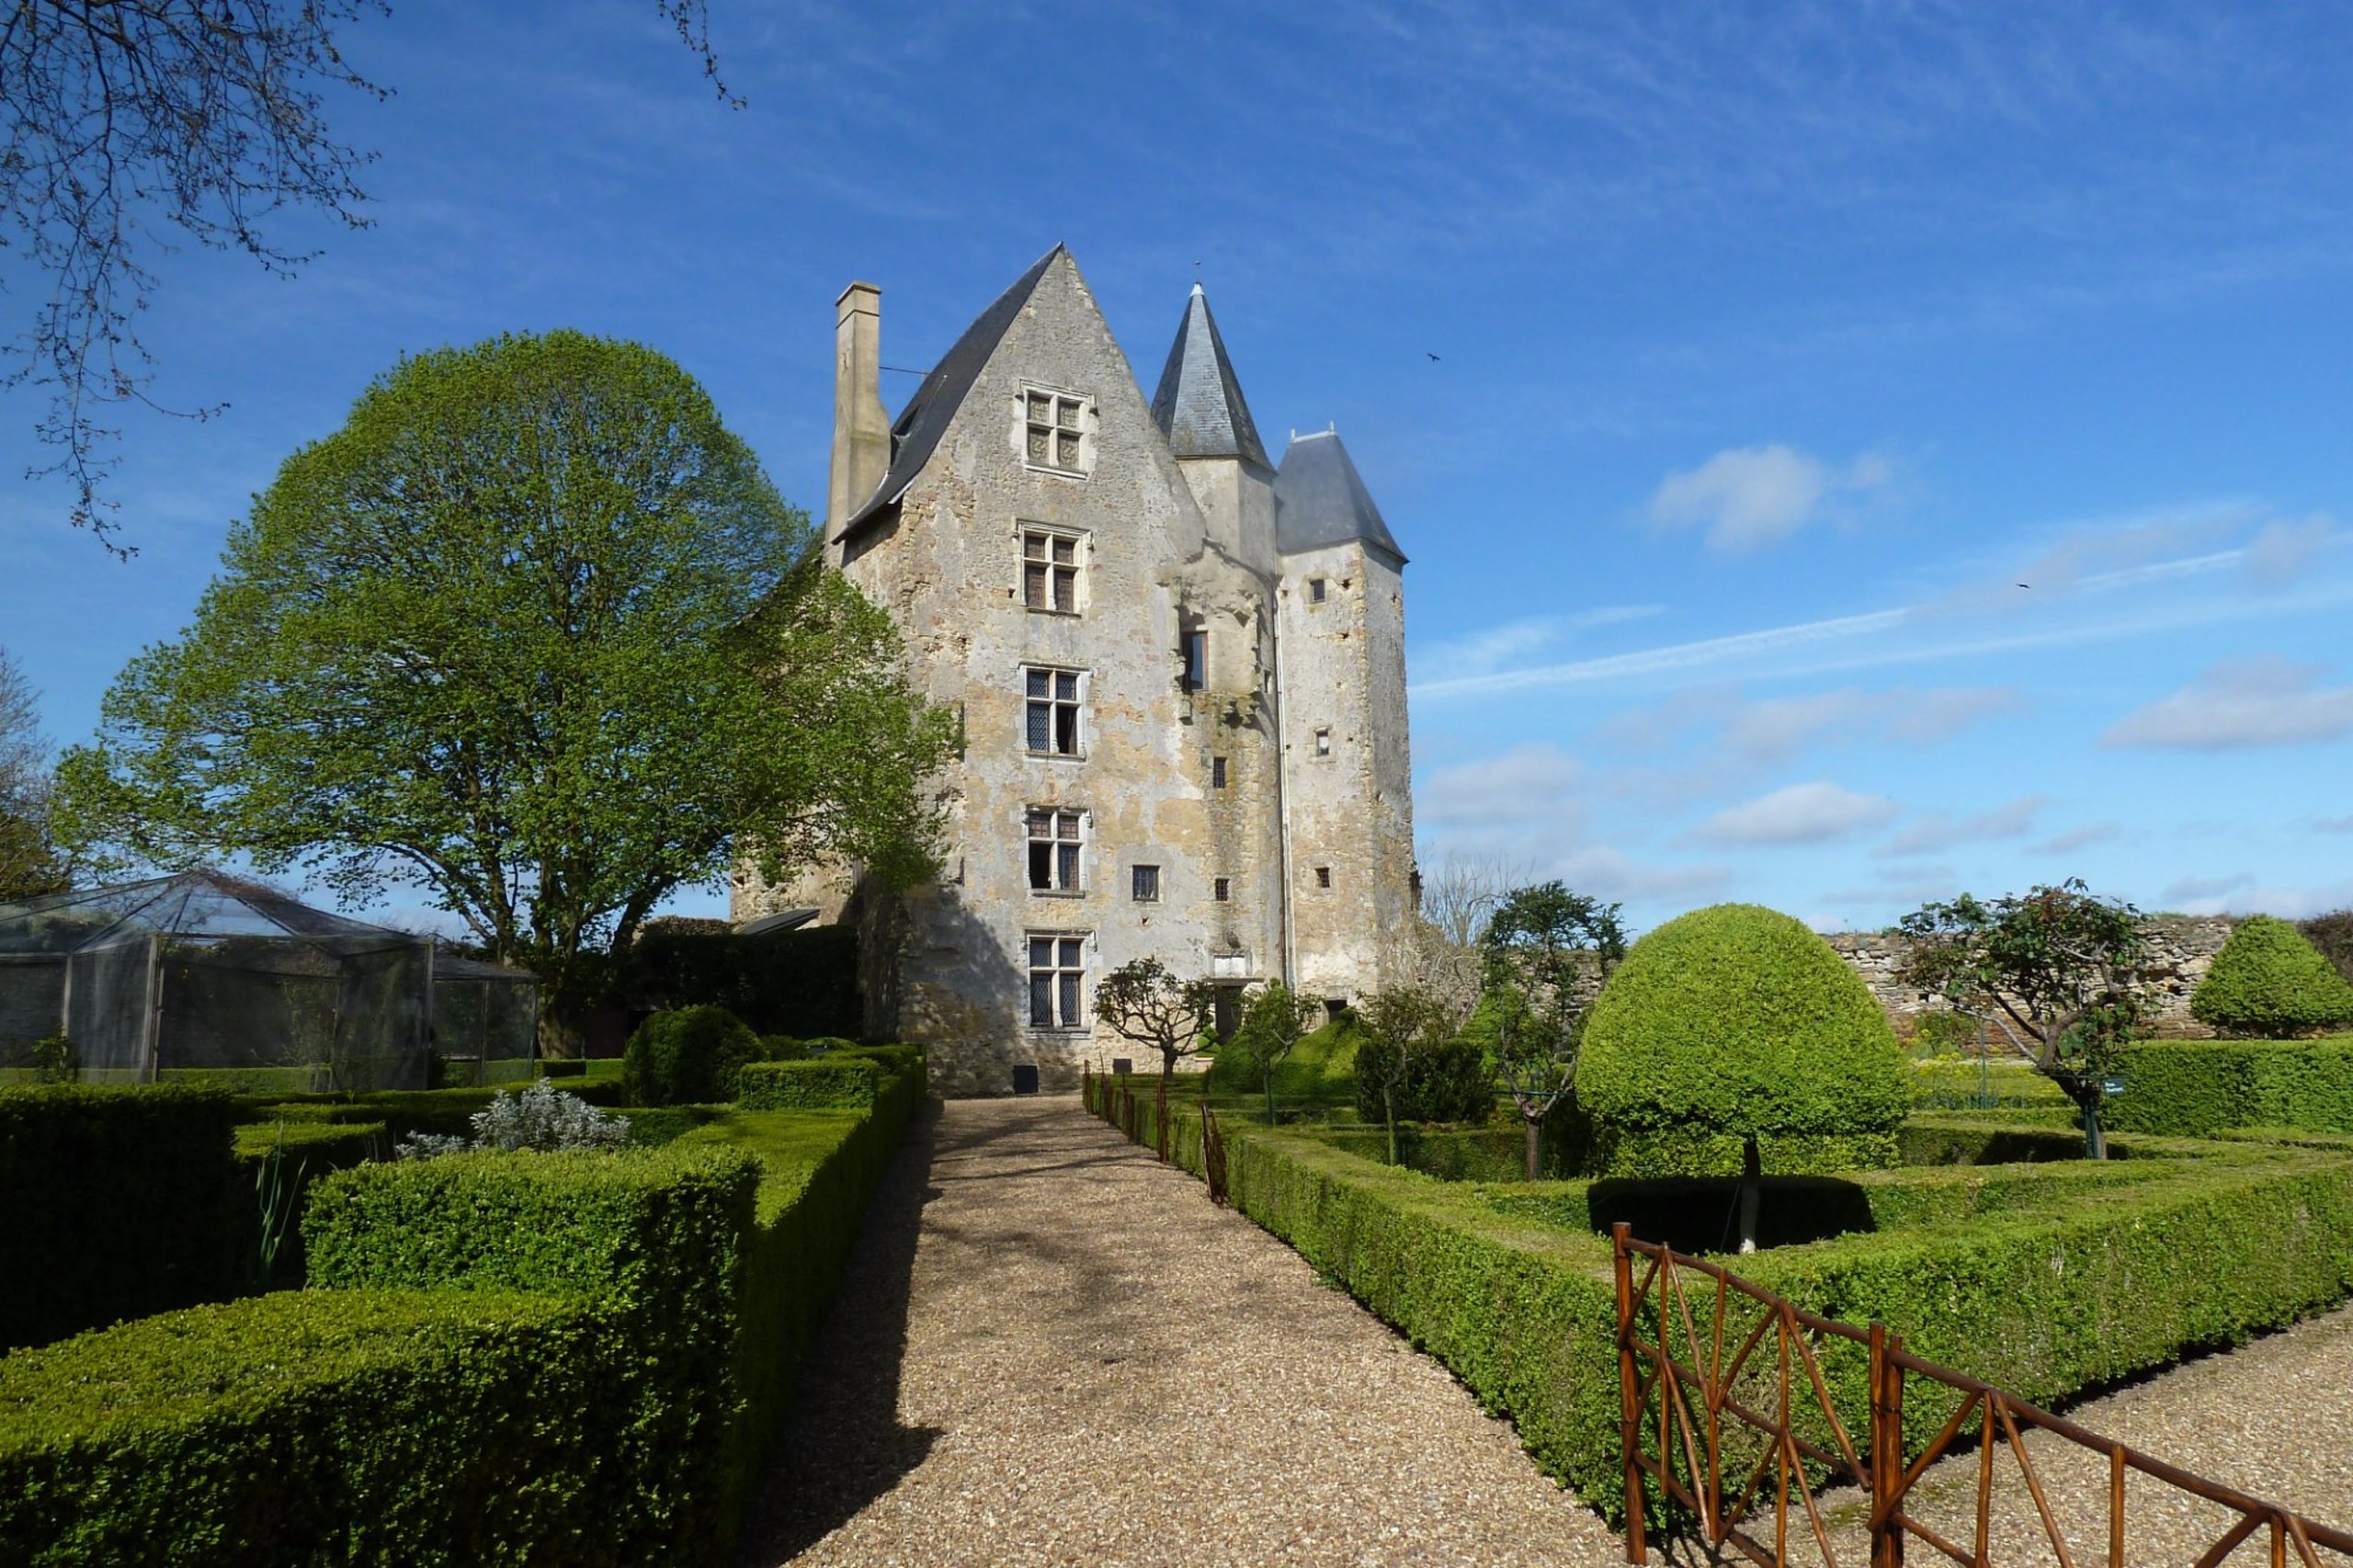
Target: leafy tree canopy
[30,864]
[1144,1001]
[533,633]
[2054,969]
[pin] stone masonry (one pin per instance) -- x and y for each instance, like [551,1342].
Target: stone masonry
[1180,670]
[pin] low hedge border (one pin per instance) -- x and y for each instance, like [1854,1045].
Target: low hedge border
[2044,1303]
[2194,1088]
[1957,1084]
[559,1358]
[121,1202]
[820,1083]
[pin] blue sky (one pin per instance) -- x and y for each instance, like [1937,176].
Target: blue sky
[1777,347]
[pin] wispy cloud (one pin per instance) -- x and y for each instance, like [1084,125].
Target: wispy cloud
[2204,890]
[1486,651]
[1816,812]
[2077,839]
[1926,630]
[2239,704]
[1940,830]
[2282,555]
[1747,497]
[1526,784]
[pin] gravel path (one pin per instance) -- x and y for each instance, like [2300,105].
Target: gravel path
[1051,1349]
[1057,1351]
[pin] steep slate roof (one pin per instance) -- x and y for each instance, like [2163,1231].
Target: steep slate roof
[1199,405]
[1320,499]
[916,433]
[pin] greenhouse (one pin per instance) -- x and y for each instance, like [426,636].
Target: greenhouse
[207,976]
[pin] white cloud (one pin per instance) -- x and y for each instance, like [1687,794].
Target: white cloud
[1749,496]
[1774,729]
[2078,838]
[2208,891]
[1602,872]
[2253,702]
[1486,651]
[2282,554]
[1940,830]
[2335,825]
[1526,784]
[1799,813]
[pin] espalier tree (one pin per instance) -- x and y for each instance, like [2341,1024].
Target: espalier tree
[534,634]
[2054,971]
[1544,954]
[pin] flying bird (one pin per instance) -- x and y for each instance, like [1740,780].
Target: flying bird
[1433,356]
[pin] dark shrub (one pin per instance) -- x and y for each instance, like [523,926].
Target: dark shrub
[119,1203]
[687,1057]
[1448,1081]
[2270,982]
[2332,934]
[1739,1021]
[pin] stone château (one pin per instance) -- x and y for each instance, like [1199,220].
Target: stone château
[1179,667]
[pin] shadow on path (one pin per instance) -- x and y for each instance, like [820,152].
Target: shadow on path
[843,1446]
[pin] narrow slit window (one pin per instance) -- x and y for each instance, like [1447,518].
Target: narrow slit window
[1323,743]
[1224,890]
[1323,876]
[1197,660]
[1217,773]
[1056,838]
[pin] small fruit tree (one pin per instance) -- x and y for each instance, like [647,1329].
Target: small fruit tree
[1544,955]
[1271,1025]
[1412,1062]
[2270,982]
[2055,970]
[1143,1000]
[1738,1021]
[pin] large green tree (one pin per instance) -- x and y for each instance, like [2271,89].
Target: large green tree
[534,633]
[30,862]
[1546,951]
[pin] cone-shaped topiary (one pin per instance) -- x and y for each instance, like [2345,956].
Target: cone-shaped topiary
[1737,1020]
[2269,980]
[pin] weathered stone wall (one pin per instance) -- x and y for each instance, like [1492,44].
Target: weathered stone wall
[2182,949]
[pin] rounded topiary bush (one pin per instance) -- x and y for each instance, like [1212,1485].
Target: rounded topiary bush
[1739,1021]
[2269,980]
[689,1056]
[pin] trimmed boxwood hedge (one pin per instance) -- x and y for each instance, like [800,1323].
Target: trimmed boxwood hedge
[2269,980]
[119,1203]
[823,1082]
[2191,1088]
[687,1057]
[558,1359]
[2046,1303]
[431,1427]
[1739,1021]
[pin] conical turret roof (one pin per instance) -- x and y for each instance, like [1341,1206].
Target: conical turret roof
[1200,405]
[1320,499]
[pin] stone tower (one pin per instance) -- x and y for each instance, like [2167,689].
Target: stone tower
[1117,596]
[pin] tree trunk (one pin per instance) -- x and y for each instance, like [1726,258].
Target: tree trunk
[1752,1192]
[2095,1135]
[1270,1096]
[1162,1117]
[1389,1109]
[1535,1147]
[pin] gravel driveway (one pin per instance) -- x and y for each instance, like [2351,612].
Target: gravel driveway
[1057,1351]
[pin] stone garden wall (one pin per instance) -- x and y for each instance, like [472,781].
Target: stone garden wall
[2180,949]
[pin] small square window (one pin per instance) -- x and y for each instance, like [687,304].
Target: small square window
[1144,881]
[1050,571]
[1323,876]
[1323,743]
[1217,773]
[1316,590]
[1224,890]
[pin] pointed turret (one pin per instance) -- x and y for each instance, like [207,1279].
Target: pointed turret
[1199,404]
[1320,499]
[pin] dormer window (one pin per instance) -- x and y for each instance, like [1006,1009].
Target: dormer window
[1055,430]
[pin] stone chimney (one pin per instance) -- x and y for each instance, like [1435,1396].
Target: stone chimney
[861,428]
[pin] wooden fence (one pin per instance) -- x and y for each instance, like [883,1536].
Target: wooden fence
[1716,1387]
